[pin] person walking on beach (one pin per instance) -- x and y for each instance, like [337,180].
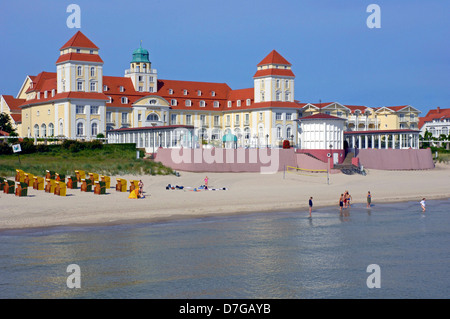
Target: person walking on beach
[310,205]
[206,181]
[348,198]
[422,204]
[369,199]
[341,202]
[141,189]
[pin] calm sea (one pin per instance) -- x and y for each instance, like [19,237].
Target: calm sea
[270,255]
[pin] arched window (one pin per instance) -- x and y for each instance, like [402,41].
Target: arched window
[92,71]
[279,132]
[288,132]
[61,127]
[188,103]
[152,117]
[79,70]
[202,103]
[44,130]
[94,129]
[51,130]
[80,129]
[173,102]
[36,130]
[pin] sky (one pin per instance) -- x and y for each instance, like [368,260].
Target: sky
[335,56]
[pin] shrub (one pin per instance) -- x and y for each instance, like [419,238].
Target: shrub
[286,144]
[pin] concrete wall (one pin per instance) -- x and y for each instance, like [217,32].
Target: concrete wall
[396,159]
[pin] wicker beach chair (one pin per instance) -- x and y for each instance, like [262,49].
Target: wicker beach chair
[134,184]
[60,188]
[20,176]
[60,177]
[9,187]
[121,185]
[29,179]
[107,180]
[100,188]
[38,183]
[50,186]
[80,175]
[72,182]
[50,174]
[86,185]
[21,189]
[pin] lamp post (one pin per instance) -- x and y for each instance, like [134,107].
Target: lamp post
[267,140]
[329,165]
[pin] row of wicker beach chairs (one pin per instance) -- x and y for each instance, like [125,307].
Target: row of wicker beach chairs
[56,183]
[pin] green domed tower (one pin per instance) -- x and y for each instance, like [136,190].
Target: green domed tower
[143,76]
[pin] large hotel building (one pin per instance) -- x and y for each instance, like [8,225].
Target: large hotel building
[79,101]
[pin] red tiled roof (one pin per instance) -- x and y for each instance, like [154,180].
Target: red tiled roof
[79,40]
[354,108]
[85,57]
[435,114]
[13,103]
[16,117]
[280,72]
[157,127]
[273,58]
[67,95]
[44,81]
[275,104]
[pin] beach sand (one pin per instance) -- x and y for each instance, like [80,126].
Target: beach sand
[245,193]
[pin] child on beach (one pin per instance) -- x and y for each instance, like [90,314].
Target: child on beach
[369,199]
[422,204]
[310,206]
[341,202]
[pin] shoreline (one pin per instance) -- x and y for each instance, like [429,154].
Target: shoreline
[247,193]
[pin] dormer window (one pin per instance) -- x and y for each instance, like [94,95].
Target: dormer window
[38,96]
[185,92]
[110,99]
[216,104]
[238,103]
[121,89]
[248,102]
[199,93]
[170,91]
[229,103]
[173,102]
[188,103]
[105,88]
[202,104]
[91,51]
[213,93]
[45,94]
[78,51]
[53,92]
[124,100]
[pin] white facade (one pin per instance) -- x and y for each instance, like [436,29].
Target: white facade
[319,134]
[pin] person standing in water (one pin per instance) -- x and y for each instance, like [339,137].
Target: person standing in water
[422,204]
[369,199]
[310,205]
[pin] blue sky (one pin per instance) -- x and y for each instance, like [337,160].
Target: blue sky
[335,56]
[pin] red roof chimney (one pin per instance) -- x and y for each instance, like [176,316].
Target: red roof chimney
[438,109]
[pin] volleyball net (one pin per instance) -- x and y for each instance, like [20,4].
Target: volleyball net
[306,171]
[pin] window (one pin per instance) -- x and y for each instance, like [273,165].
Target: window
[199,93]
[237,119]
[108,117]
[278,96]
[94,109]
[79,109]
[247,119]
[80,86]
[216,120]
[202,103]
[36,130]
[188,103]
[170,91]
[138,69]
[124,100]
[229,103]
[94,129]
[51,130]
[412,116]
[80,129]
[78,50]
[248,102]
[125,118]
[152,101]
[260,116]
[238,103]
[288,116]
[288,132]
[45,94]
[216,104]
[247,133]
[286,83]
[79,71]
[44,130]
[91,51]
[153,117]
[150,89]
[53,92]
[141,78]
[92,71]
[173,119]
[140,89]
[339,113]
[203,119]
[185,92]
[93,86]
[38,95]
[262,96]
[110,99]
[48,112]
[213,93]
[228,122]
[105,88]
[278,116]
[173,102]
[279,132]
[121,89]
[286,96]
[188,119]
[278,83]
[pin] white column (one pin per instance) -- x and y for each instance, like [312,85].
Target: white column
[359,141]
[393,141]
[373,141]
[379,141]
[386,143]
[365,141]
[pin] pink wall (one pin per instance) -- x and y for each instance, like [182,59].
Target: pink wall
[396,159]
[323,154]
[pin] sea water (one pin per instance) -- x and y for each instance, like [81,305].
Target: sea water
[262,255]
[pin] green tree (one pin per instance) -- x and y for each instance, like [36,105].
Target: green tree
[5,123]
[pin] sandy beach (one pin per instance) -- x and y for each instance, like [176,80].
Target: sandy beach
[245,193]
